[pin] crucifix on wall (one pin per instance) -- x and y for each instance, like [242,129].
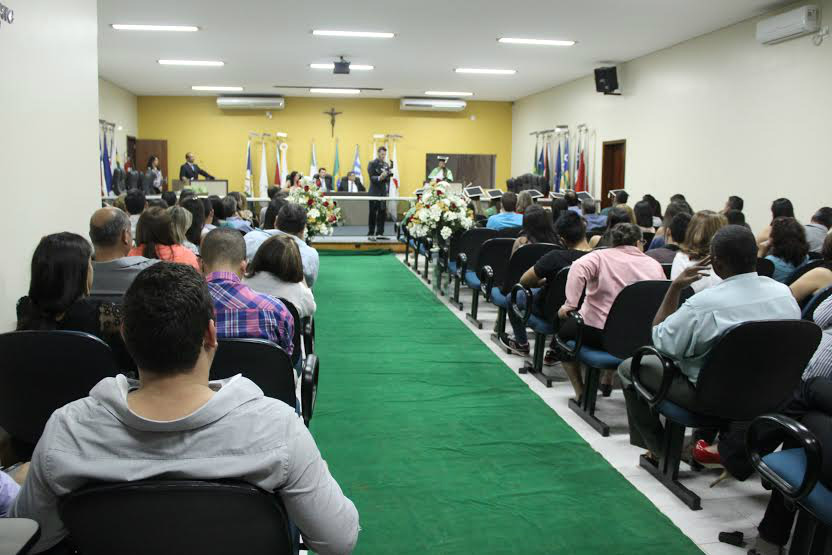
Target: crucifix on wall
[332,113]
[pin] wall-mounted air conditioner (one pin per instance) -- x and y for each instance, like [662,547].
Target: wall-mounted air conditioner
[433,104]
[792,24]
[251,102]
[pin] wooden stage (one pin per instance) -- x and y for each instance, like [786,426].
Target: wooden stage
[354,238]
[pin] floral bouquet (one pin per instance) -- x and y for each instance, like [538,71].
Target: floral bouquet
[322,214]
[438,214]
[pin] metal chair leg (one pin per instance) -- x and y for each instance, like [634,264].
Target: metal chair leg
[667,470]
[475,303]
[586,408]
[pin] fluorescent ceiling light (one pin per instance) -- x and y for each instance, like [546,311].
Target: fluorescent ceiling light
[335,91]
[357,67]
[216,88]
[538,42]
[485,71]
[355,34]
[211,63]
[448,93]
[130,27]
[379,136]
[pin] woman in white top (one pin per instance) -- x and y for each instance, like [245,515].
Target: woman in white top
[697,245]
[277,270]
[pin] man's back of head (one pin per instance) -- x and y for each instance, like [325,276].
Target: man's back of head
[292,219]
[509,201]
[135,202]
[588,206]
[571,228]
[735,217]
[621,197]
[223,249]
[734,251]
[110,232]
[229,207]
[735,203]
[571,198]
[679,227]
[823,217]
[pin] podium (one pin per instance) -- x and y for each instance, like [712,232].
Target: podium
[217,187]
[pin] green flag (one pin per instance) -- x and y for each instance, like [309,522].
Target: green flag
[336,167]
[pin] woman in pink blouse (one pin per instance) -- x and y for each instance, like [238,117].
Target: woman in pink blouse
[154,237]
[603,274]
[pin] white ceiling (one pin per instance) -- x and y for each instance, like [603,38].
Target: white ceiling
[268,42]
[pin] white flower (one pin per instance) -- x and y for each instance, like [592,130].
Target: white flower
[314,214]
[446,232]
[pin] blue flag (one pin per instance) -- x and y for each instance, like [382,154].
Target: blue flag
[108,172]
[558,171]
[541,166]
[356,164]
[565,172]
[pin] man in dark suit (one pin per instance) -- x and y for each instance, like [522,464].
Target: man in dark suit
[324,180]
[191,171]
[380,172]
[351,184]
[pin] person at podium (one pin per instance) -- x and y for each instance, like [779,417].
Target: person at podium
[441,172]
[191,171]
[351,184]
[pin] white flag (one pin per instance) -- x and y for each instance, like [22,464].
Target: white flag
[248,170]
[393,205]
[356,164]
[313,166]
[284,172]
[264,174]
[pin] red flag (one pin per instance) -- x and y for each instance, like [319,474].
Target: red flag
[580,184]
[277,173]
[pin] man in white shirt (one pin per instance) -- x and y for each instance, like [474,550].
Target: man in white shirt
[175,423]
[687,333]
[291,220]
[818,229]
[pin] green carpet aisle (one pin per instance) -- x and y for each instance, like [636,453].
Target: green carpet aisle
[442,449]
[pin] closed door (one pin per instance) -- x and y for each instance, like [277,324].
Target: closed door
[145,148]
[612,170]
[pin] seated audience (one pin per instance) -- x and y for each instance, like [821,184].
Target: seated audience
[59,287]
[786,247]
[121,202]
[620,198]
[593,220]
[193,235]
[816,279]
[559,206]
[675,207]
[656,208]
[572,202]
[231,216]
[272,210]
[571,231]
[678,197]
[291,220]
[780,208]
[277,270]
[673,238]
[242,206]
[186,194]
[644,216]
[170,198]
[524,201]
[696,247]
[158,203]
[136,203]
[508,216]
[216,205]
[181,221]
[818,229]
[271,192]
[618,215]
[208,209]
[240,311]
[10,487]
[537,228]
[599,276]
[687,333]
[351,183]
[114,269]
[154,237]
[735,217]
[174,421]
[733,203]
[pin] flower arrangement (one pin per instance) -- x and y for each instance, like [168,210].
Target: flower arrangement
[438,214]
[322,214]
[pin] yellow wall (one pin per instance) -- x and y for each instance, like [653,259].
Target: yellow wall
[218,138]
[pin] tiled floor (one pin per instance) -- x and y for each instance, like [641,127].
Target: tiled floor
[729,506]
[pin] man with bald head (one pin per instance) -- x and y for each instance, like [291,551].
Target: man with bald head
[112,238]
[191,171]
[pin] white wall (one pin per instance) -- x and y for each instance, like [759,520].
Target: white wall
[119,106]
[714,116]
[48,129]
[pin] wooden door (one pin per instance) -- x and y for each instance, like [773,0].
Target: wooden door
[145,148]
[479,169]
[612,169]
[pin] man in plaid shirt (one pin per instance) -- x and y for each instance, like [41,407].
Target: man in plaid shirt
[240,311]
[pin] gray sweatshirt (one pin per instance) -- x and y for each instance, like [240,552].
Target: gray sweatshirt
[239,433]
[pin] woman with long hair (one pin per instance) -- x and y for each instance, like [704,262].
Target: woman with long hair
[780,208]
[786,247]
[193,235]
[155,239]
[277,270]
[524,201]
[153,169]
[537,228]
[181,221]
[643,213]
[697,246]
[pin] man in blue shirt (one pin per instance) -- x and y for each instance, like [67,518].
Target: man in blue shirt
[291,220]
[507,216]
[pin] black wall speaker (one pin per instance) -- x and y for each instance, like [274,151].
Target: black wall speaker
[606,80]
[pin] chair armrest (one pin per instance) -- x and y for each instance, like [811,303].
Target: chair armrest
[523,313]
[579,336]
[308,335]
[309,387]
[786,427]
[486,276]
[461,265]
[669,370]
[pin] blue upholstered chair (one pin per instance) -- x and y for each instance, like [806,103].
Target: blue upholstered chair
[466,260]
[492,264]
[814,302]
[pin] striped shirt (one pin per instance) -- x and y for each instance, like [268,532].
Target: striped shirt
[241,312]
[821,363]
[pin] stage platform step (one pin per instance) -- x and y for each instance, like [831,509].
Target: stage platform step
[353,237]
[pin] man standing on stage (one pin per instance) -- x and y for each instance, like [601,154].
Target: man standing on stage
[441,172]
[191,171]
[380,173]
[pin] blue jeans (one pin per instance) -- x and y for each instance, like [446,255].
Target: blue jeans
[517,326]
